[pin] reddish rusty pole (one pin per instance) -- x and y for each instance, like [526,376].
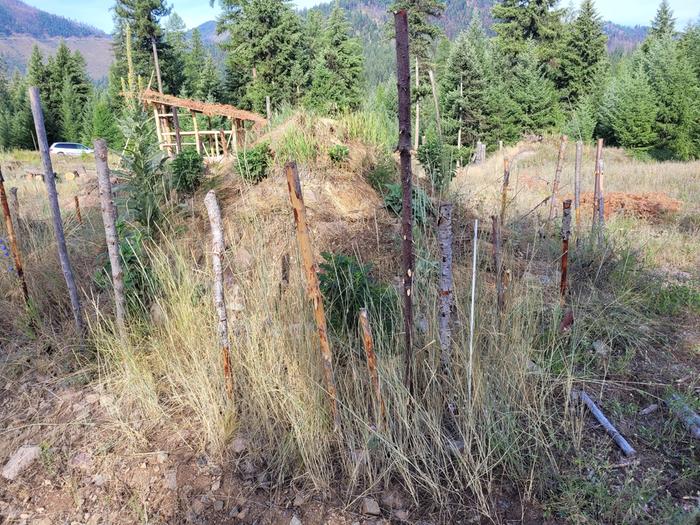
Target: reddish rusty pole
[565,234]
[77,210]
[368,343]
[313,286]
[13,239]
[504,190]
[557,176]
[403,76]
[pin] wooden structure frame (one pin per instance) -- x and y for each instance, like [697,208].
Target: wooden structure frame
[211,143]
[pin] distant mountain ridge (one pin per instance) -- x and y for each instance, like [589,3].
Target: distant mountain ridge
[18,18]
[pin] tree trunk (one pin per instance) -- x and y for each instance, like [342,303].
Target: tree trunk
[313,285]
[10,227]
[596,187]
[498,266]
[78,213]
[368,342]
[50,182]
[565,234]
[577,187]
[218,247]
[109,216]
[446,297]
[557,177]
[156,63]
[504,190]
[403,75]
[417,130]
[433,87]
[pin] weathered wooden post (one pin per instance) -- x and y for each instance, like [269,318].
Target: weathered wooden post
[480,153]
[504,190]
[596,186]
[78,213]
[368,343]
[268,109]
[218,248]
[433,88]
[403,76]
[577,187]
[195,128]
[472,309]
[14,247]
[38,113]
[313,286]
[417,130]
[14,205]
[498,266]
[446,297]
[109,216]
[565,234]
[557,176]
[176,127]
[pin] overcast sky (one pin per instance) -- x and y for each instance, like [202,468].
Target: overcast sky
[195,12]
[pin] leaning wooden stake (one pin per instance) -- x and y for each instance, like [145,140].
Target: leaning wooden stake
[312,283]
[10,227]
[14,208]
[218,247]
[403,75]
[565,234]
[557,177]
[596,186]
[433,87]
[498,266]
[78,213]
[504,190]
[446,297]
[109,216]
[577,187]
[368,342]
[626,448]
[38,114]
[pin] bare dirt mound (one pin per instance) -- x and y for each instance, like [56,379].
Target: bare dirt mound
[650,206]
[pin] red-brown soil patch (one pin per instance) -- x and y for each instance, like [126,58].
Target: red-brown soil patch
[650,206]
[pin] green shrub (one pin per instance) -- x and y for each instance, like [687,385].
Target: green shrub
[253,163]
[422,207]
[347,286]
[383,173]
[436,162]
[338,153]
[674,299]
[187,171]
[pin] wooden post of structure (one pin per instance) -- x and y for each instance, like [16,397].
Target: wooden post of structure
[109,216]
[480,153]
[156,62]
[565,234]
[498,265]
[596,185]
[577,187]
[459,130]
[433,87]
[218,247]
[446,297]
[504,190]
[14,246]
[313,286]
[403,75]
[601,191]
[38,113]
[368,342]
[176,127]
[268,109]
[224,145]
[159,132]
[417,130]
[195,127]
[557,176]
[78,213]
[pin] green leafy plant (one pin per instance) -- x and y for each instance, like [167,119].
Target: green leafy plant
[338,153]
[430,155]
[253,163]
[422,207]
[187,171]
[383,173]
[347,286]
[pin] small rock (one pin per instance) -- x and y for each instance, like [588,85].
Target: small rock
[299,500]
[392,499]
[370,507]
[20,460]
[239,445]
[162,457]
[197,507]
[171,480]
[218,505]
[99,480]
[295,521]
[216,485]
[648,410]
[82,461]
[601,349]
[91,399]
[401,515]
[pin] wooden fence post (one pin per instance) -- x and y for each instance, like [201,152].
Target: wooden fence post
[596,186]
[14,207]
[78,213]
[504,190]
[446,297]
[176,127]
[433,87]
[417,130]
[313,286]
[368,342]
[38,114]
[403,75]
[565,234]
[218,247]
[577,187]
[109,216]
[9,226]
[557,177]
[268,109]
[498,265]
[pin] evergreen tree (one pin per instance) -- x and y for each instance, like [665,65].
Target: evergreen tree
[209,82]
[173,63]
[70,112]
[690,46]
[422,30]
[104,123]
[337,74]
[584,58]
[664,24]
[195,56]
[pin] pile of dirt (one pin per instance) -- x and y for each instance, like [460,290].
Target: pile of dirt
[650,206]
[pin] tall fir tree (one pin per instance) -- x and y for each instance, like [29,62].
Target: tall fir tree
[336,83]
[173,64]
[690,46]
[422,27]
[664,24]
[195,56]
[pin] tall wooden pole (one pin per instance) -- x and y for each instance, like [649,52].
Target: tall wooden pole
[557,176]
[403,75]
[596,186]
[313,285]
[176,127]
[218,247]
[109,216]
[498,266]
[156,63]
[565,234]
[417,130]
[10,227]
[78,213]
[368,342]
[577,187]
[38,113]
[504,190]
[433,87]
[446,295]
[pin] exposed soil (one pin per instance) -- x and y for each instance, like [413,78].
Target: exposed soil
[653,207]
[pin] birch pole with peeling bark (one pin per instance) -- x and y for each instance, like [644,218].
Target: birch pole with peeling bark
[218,247]
[38,114]
[368,343]
[312,284]
[14,246]
[403,77]
[109,216]
[446,298]
[557,177]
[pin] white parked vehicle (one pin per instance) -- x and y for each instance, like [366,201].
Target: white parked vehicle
[72,149]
